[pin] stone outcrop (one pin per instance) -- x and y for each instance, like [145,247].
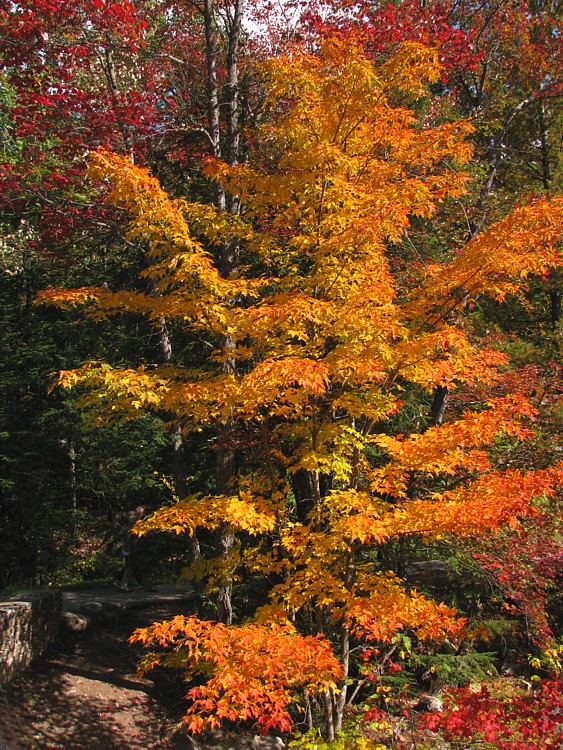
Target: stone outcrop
[220,739]
[29,623]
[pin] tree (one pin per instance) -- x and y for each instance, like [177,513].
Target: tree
[328,337]
[131,78]
[72,76]
[501,67]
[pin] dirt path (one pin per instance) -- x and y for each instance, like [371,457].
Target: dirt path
[84,694]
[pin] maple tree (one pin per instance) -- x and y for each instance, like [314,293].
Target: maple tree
[288,663]
[148,79]
[326,341]
[72,78]
[501,66]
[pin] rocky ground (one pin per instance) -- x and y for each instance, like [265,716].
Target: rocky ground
[84,694]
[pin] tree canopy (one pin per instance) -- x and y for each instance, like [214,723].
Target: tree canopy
[325,336]
[306,261]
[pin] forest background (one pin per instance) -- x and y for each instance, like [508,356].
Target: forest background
[170,85]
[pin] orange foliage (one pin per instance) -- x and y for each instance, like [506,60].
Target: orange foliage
[242,685]
[326,350]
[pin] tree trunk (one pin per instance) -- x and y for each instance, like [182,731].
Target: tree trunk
[328,710]
[108,67]
[302,486]
[229,258]
[72,472]
[213,111]
[439,404]
[225,536]
[544,149]
[233,129]
[555,307]
[175,432]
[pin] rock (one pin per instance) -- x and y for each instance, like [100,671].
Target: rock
[29,623]
[220,739]
[181,740]
[74,622]
[267,742]
[429,703]
[433,572]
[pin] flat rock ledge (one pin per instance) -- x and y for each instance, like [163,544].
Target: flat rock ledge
[85,608]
